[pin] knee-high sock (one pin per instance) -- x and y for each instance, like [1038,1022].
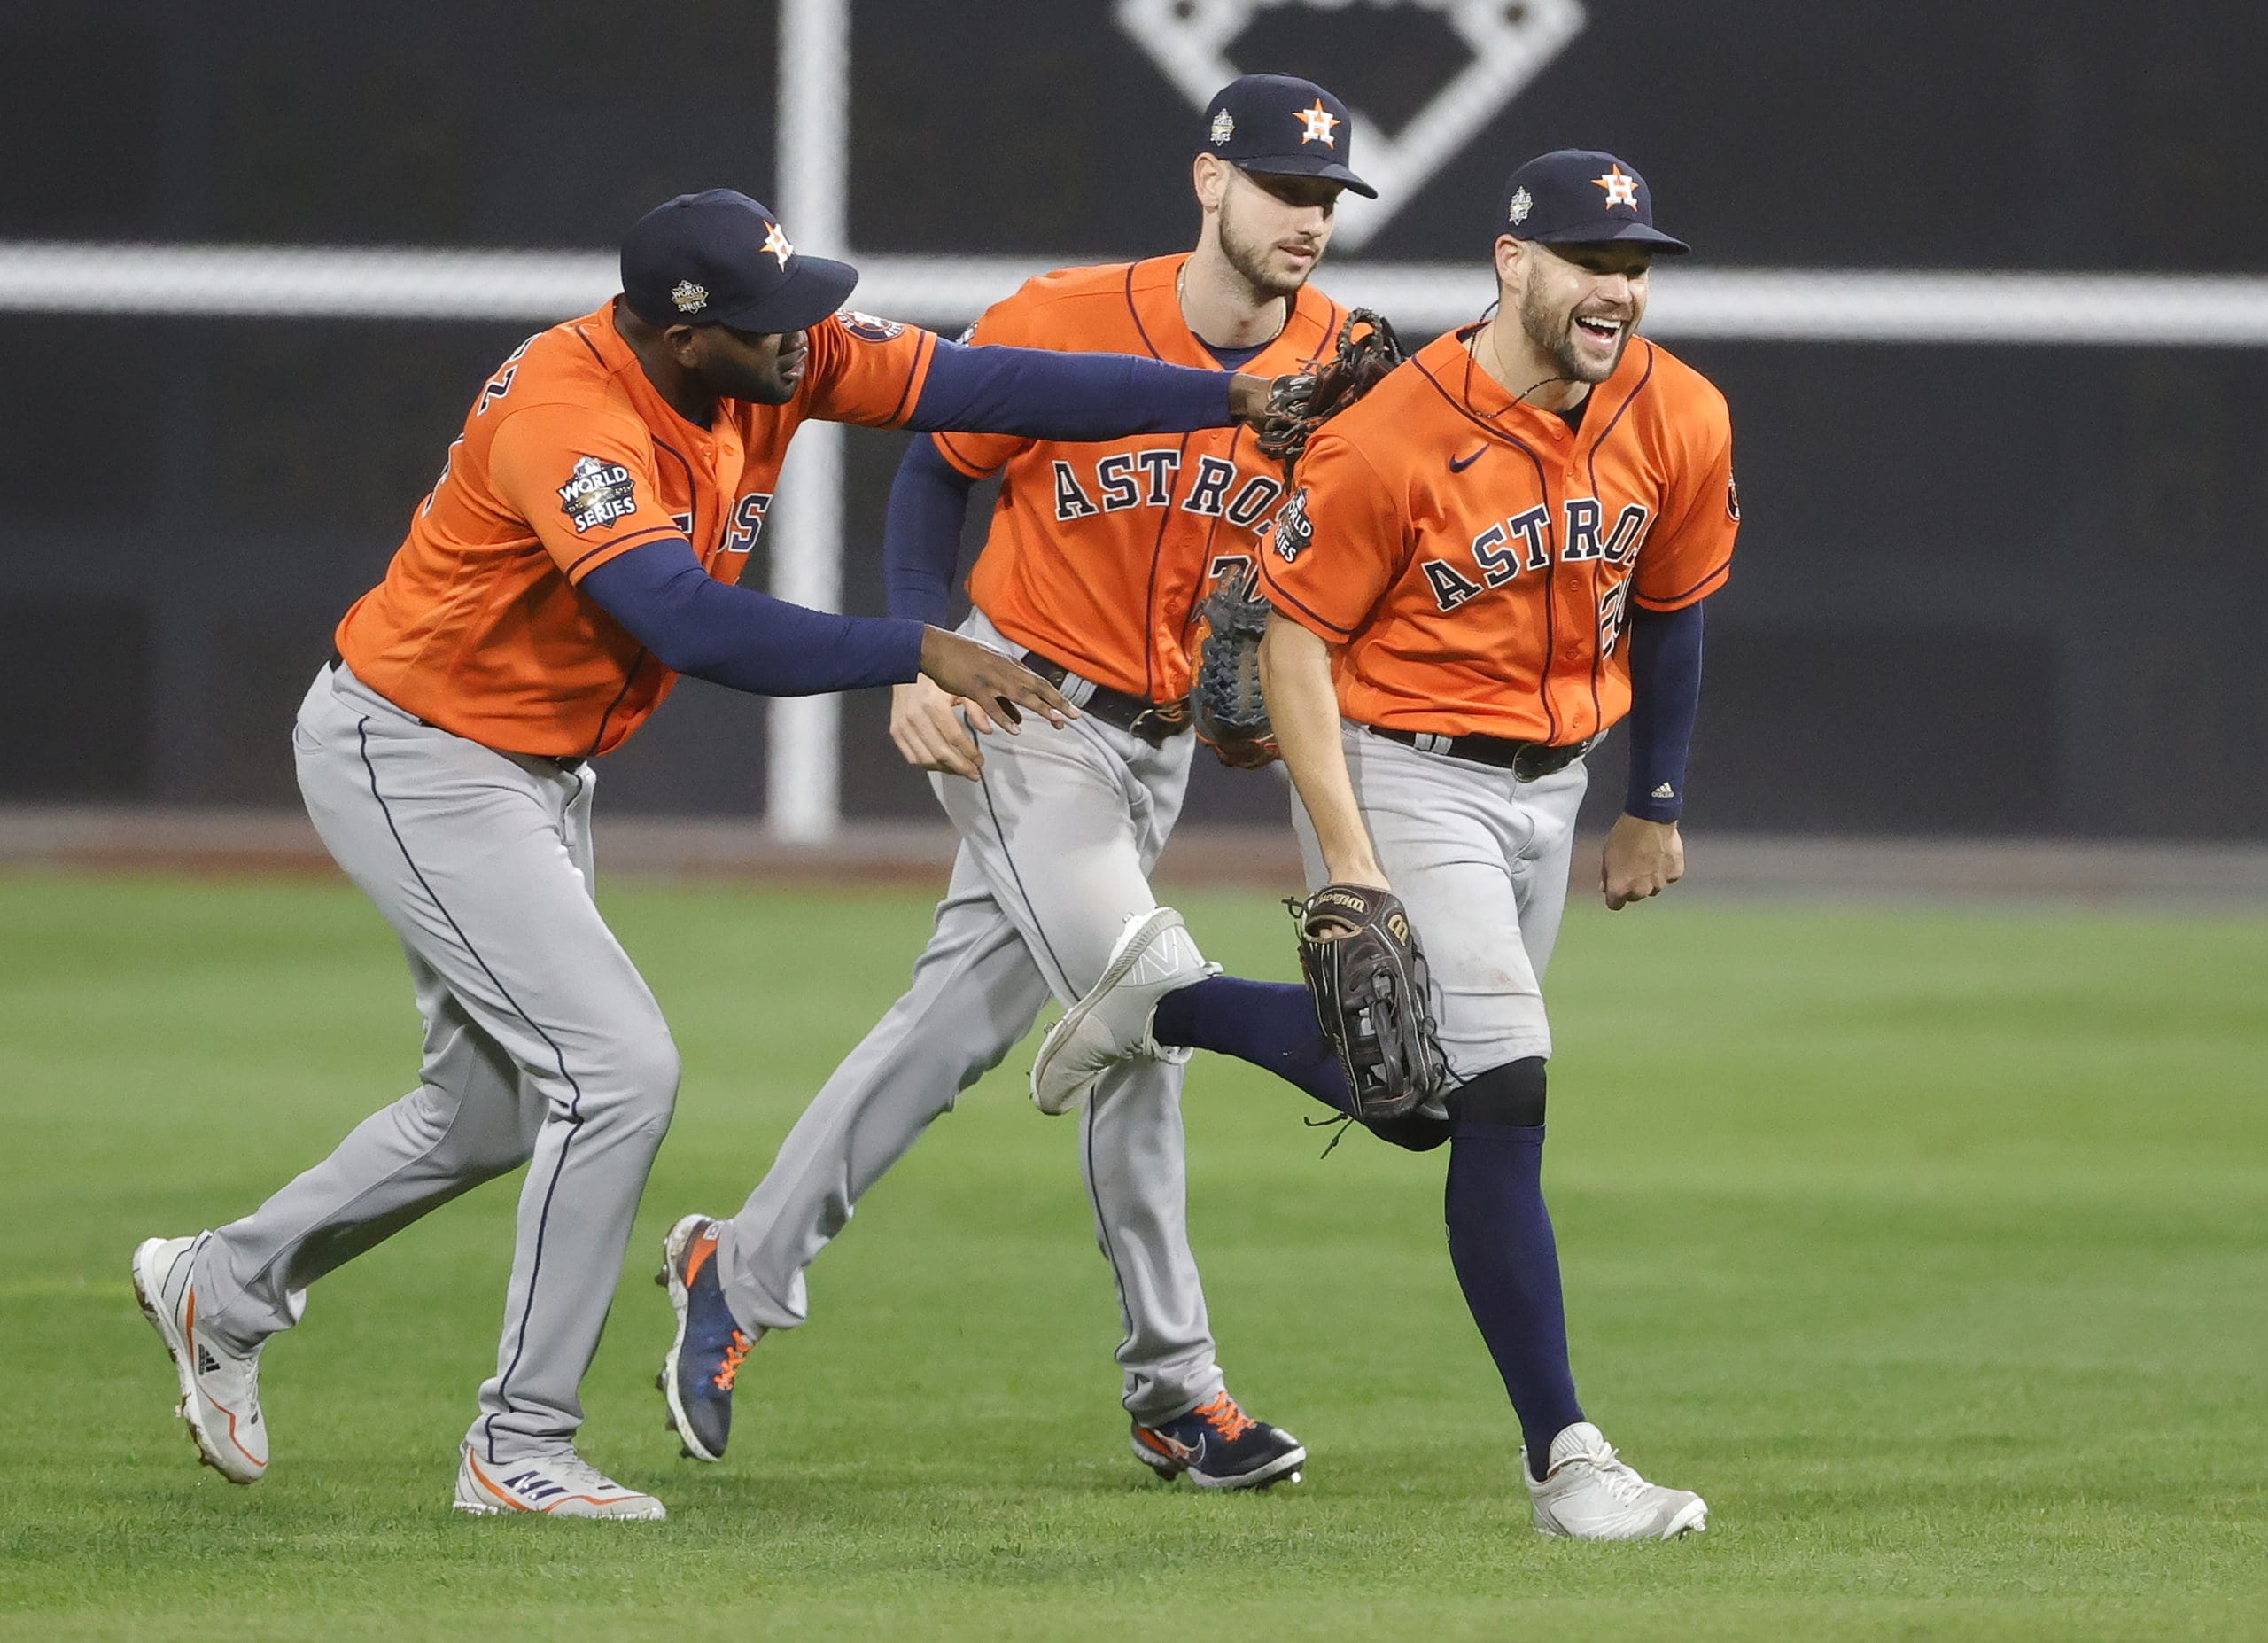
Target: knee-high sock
[1508,1265]
[1270,1024]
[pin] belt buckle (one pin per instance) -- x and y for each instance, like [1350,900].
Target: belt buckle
[1157,721]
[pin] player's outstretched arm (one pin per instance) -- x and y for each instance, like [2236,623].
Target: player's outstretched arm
[1038,394]
[1644,853]
[1303,707]
[749,641]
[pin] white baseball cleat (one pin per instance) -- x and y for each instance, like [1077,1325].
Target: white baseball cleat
[1153,955]
[1589,1494]
[220,1388]
[563,1486]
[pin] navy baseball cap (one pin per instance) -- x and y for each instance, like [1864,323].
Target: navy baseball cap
[1581,196]
[1281,126]
[719,258]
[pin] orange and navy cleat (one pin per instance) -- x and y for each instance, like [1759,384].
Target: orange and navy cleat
[1216,1445]
[220,1387]
[696,1378]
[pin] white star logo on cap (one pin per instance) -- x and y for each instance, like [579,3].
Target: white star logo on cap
[1317,124]
[776,243]
[1621,188]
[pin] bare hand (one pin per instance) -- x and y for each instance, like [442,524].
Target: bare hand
[1641,859]
[1366,873]
[1248,398]
[998,684]
[930,729]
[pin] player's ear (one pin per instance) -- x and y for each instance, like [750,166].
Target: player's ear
[684,345]
[1507,259]
[1208,174]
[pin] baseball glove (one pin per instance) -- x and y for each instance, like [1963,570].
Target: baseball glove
[1370,991]
[1366,349]
[1224,702]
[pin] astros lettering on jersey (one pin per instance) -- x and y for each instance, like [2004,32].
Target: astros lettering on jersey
[1098,553]
[1475,559]
[569,458]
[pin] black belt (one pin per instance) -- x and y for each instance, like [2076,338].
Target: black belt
[1151,721]
[571,763]
[1528,762]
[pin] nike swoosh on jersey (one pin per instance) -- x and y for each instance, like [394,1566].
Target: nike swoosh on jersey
[1458,464]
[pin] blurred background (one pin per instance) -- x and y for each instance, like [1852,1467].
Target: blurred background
[2002,569]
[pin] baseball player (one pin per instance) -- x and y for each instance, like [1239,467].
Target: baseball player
[577,555]
[1096,561]
[1499,553]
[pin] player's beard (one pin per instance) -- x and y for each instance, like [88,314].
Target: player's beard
[1554,332]
[1248,256]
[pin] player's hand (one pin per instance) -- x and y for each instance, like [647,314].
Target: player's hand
[1641,859]
[1366,873]
[931,731]
[1248,398]
[999,684]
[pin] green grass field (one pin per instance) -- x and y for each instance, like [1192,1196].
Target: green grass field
[1932,1248]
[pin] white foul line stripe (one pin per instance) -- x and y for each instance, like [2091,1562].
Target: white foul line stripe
[1755,305]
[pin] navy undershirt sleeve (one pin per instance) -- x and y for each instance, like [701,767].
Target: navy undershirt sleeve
[748,640]
[1665,699]
[1042,395]
[929,500]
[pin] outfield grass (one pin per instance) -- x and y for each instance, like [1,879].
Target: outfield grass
[1932,1247]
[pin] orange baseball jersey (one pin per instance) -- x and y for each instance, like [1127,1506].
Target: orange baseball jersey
[1475,559]
[1099,554]
[569,457]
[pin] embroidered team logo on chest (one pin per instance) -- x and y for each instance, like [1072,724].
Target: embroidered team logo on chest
[597,494]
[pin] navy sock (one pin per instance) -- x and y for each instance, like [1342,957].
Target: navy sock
[1270,1024]
[1508,1265]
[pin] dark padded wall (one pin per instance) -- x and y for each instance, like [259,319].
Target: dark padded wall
[1980,589]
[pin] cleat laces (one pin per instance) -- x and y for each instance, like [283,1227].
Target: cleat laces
[1223,1415]
[735,1355]
[1615,1474]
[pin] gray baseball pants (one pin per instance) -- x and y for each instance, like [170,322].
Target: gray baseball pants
[1057,844]
[1480,859]
[543,1046]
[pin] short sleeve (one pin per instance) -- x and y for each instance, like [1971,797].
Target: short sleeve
[1336,545]
[866,370]
[583,480]
[1690,556]
[979,455]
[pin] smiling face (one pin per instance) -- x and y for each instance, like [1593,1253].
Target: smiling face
[1577,304]
[763,367]
[1273,229]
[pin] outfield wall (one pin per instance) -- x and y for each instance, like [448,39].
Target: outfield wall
[1984,586]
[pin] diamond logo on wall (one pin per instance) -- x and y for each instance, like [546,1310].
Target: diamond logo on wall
[1189,40]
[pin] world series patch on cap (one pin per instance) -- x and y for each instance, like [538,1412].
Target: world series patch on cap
[720,258]
[1278,125]
[1581,196]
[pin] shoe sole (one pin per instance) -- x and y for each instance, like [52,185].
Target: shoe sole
[506,1508]
[149,1290]
[1690,1520]
[1137,943]
[670,1278]
[1284,1468]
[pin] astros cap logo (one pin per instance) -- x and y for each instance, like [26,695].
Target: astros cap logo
[1621,188]
[1318,122]
[776,243]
